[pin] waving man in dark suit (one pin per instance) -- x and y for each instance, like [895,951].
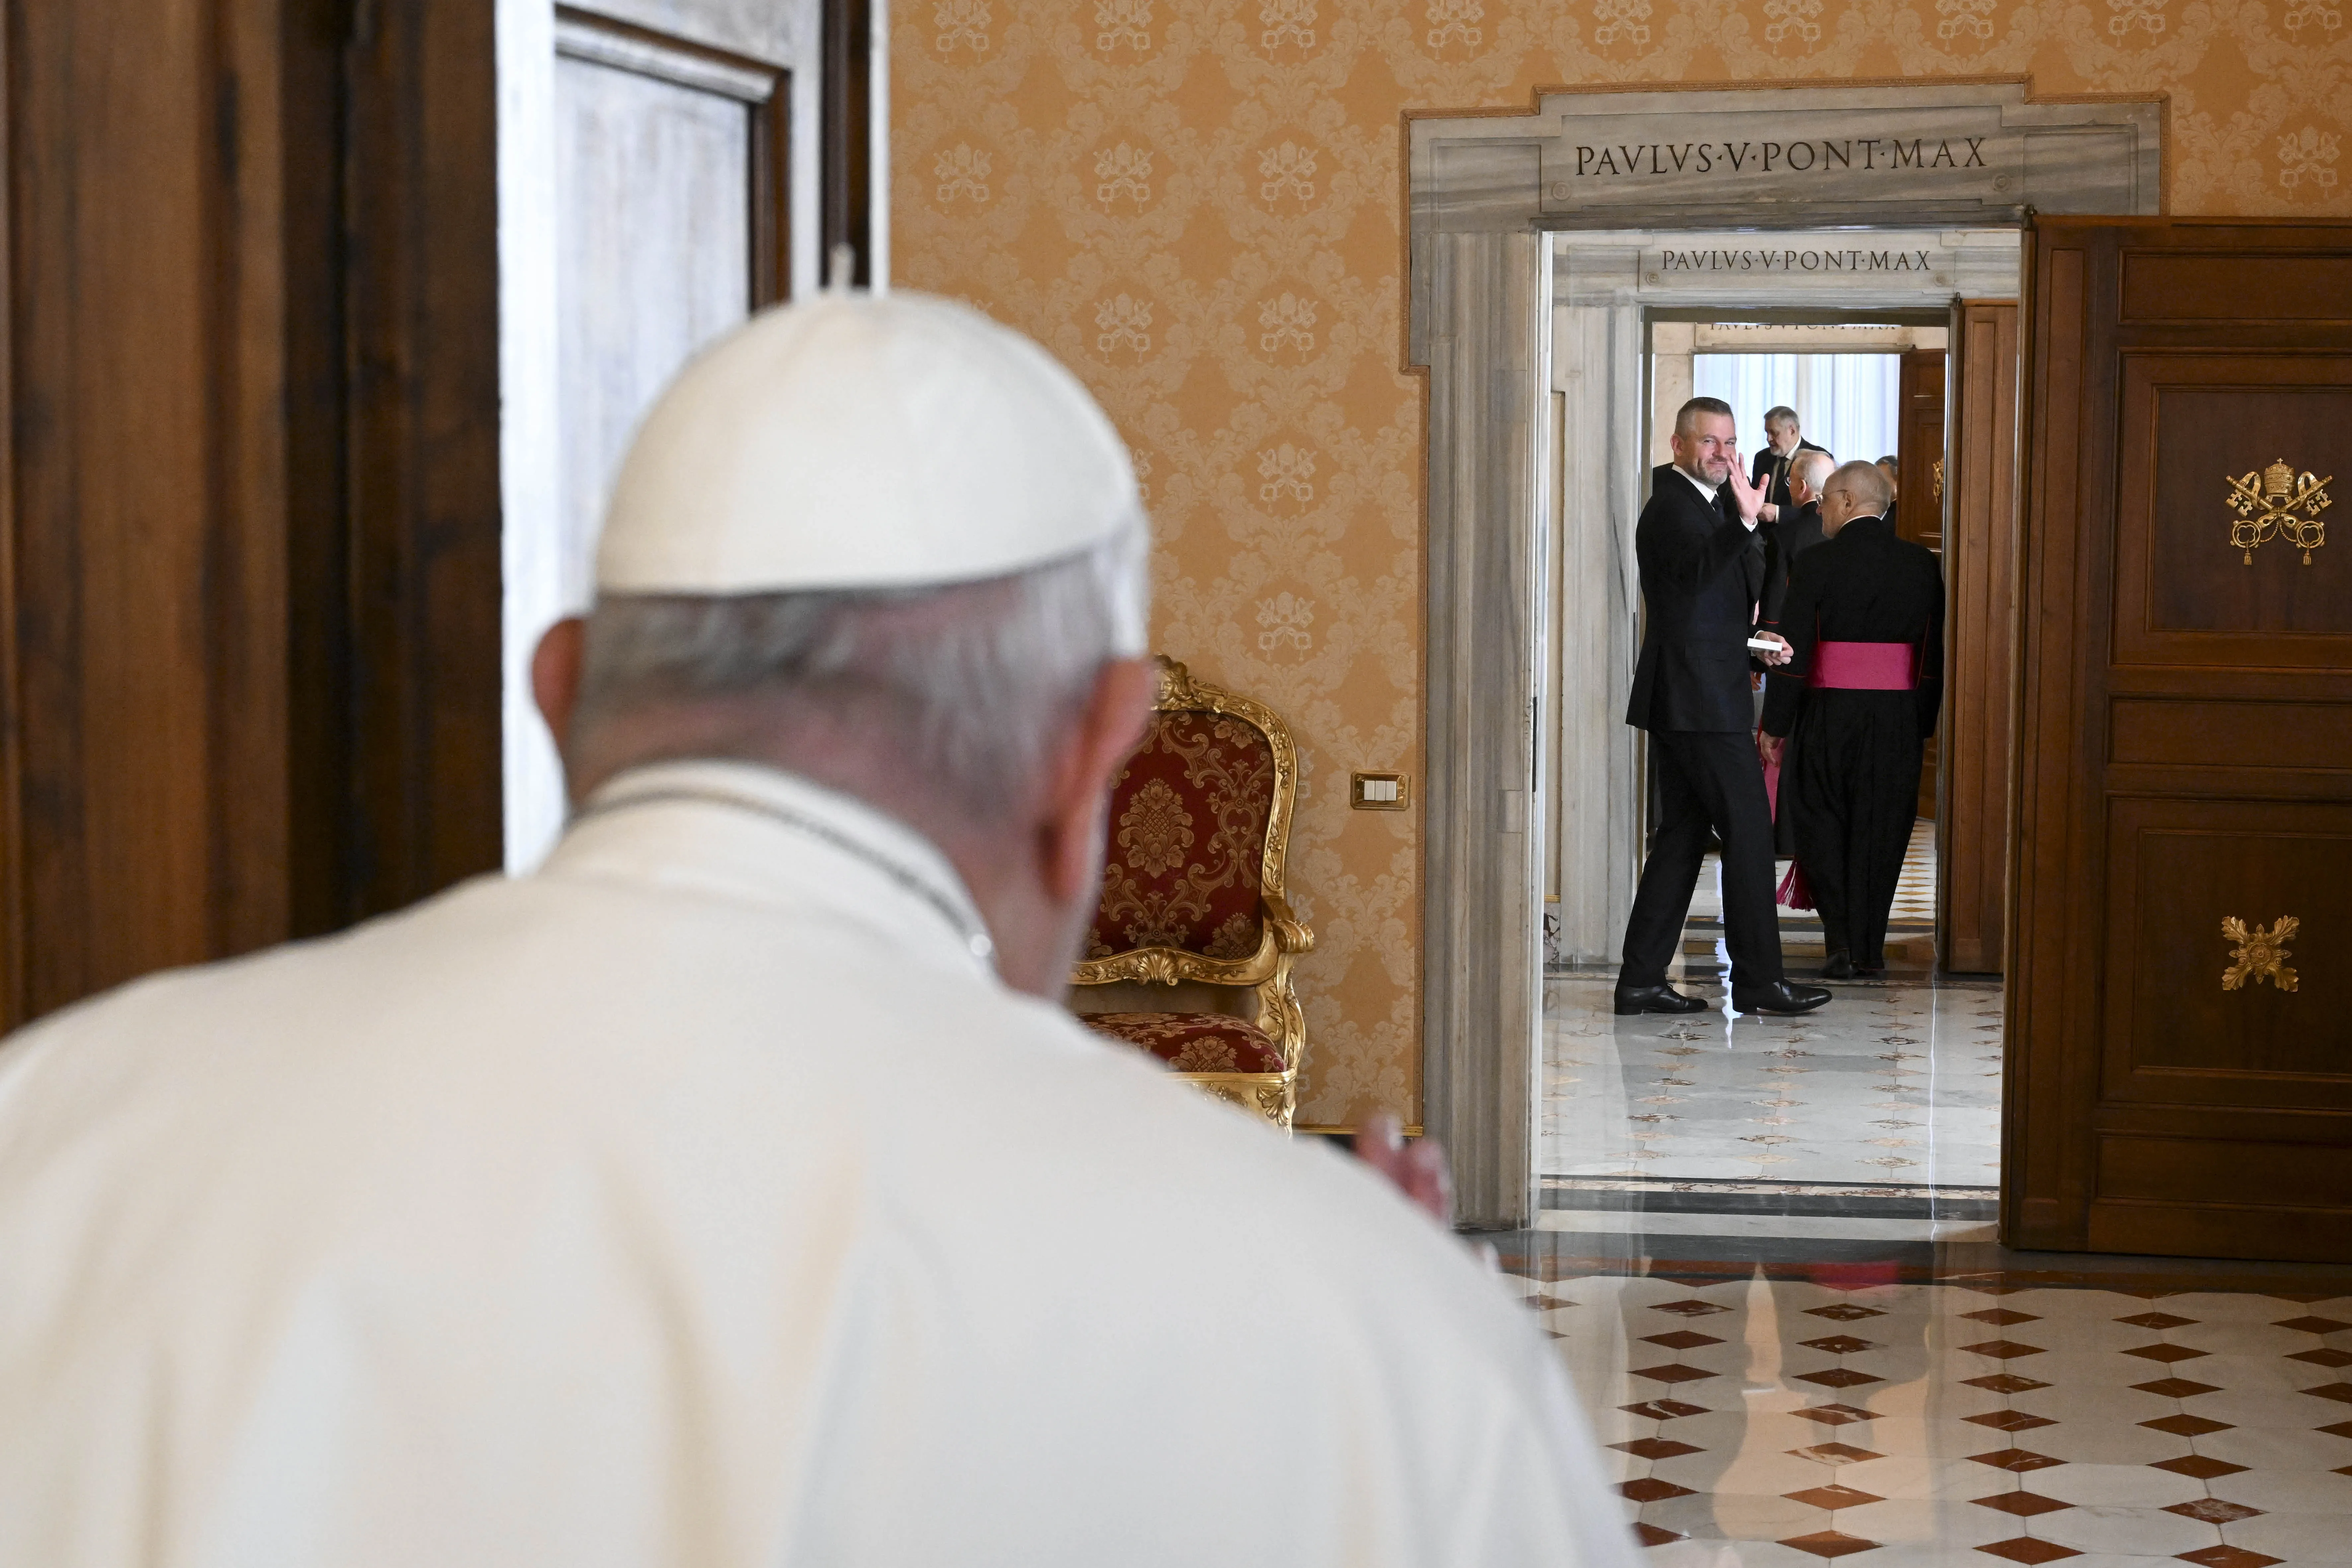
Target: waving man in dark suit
[1702,574]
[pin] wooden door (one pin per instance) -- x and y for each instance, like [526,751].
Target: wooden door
[1979,628]
[1919,487]
[2185,742]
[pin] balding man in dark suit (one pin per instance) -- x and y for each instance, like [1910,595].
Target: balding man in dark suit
[1702,574]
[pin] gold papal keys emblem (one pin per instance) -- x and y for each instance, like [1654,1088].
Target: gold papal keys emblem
[2277,502]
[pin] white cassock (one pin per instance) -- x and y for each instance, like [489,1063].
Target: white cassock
[703,1200]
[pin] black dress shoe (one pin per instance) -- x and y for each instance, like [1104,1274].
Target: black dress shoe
[1838,967]
[1655,999]
[1778,997]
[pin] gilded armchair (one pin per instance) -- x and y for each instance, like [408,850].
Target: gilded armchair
[1190,953]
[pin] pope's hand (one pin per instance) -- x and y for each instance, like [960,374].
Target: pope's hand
[1781,655]
[1417,1168]
[1748,498]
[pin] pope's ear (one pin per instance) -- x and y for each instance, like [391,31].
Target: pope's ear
[1109,726]
[555,676]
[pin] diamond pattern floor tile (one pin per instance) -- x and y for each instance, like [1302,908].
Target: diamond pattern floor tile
[1655,1448]
[1664,1409]
[1832,1415]
[2004,1383]
[2025,1549]
[2198,1466]
[1835,1453]
[1829,1543]
[2025,1505]
[2004,1350]
[2229,1557]
[2213,1510]
[1832,1497]
[1650,1489]
[2009,1420]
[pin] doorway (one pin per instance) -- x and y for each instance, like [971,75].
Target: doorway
[1528,274]
[1876,1122]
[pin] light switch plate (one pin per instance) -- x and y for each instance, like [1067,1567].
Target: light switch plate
[1379,792]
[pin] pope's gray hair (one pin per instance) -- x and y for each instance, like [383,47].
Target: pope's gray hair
[965,685]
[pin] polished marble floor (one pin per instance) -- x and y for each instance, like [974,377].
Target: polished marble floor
[1889,1085]
[1794,1416]
[1767,1250]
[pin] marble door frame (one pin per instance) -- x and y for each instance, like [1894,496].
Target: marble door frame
[1516,302]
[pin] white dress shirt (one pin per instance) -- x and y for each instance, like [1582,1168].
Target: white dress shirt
[1710,491]
[705,1200]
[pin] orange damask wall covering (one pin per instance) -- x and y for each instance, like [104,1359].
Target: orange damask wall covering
[1198,203]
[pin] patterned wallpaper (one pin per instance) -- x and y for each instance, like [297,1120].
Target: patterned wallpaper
[1198,204]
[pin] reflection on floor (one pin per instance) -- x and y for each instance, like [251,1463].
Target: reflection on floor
[1960,1414]
[1766,1247]
[1894,1083]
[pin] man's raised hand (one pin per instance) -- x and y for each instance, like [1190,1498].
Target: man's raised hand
[1748,498]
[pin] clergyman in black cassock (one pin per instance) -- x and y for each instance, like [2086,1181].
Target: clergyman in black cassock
[1702,571]
[1864,617]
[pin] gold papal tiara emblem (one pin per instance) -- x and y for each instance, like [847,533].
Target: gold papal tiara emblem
[2277,502]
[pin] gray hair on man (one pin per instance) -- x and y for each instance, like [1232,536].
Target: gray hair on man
[1867,483]
[1781,418]
[1814,469]
[965,686]
[1686,416]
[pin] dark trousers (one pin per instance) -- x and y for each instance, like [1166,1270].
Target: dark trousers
[1706,780]
[1852,787]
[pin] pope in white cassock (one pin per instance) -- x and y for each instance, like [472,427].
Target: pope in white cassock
[732,1192]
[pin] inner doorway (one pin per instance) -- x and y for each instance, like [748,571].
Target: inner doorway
[1875,1123]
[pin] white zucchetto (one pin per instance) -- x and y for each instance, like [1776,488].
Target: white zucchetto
[863,441]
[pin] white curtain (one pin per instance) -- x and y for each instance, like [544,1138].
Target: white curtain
[1850,404]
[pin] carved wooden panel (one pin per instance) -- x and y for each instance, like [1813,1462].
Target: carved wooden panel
[2184,736]
[2199,584]
[2177,1034]
[1980,585]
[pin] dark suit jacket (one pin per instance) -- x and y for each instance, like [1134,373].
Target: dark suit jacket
[1770,463]
[1864,585]
[1701,574]
[1784,540]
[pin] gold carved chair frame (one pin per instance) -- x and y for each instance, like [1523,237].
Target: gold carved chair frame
[1265,971]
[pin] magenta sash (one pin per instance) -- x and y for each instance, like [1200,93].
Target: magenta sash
[1864,666]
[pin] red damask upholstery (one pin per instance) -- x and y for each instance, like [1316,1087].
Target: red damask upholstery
[1188,821]
[1193,1042]
[1192,895]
